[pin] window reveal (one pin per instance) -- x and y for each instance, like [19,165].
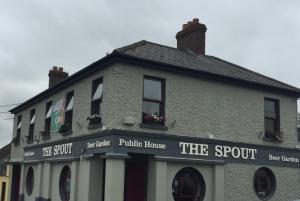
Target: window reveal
[69,110]
[18,135]
[153,101]
[96,104]
[31,126]
[272,119]
[48,117]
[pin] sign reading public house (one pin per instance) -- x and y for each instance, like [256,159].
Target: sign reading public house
[172,147]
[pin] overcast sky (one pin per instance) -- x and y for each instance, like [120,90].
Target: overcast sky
[262,35]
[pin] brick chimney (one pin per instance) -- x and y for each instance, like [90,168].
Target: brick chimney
[192,37]
[56,75]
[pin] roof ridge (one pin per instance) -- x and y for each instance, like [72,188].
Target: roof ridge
[250,71]
[143,42]
[131,46]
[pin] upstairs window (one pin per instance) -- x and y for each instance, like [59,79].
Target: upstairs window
[46,132]
[31,126]
[154,101]
[69,110]
[96,104]
[272,118]
[19,125]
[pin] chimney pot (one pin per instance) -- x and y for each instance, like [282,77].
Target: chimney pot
[192,37]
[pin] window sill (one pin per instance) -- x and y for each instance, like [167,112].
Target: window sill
[153,126]
[66,133]
[268,139]
[46,137]
[94,126]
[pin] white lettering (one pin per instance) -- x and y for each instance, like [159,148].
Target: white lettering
[183,146]
[63,149]
[47,151]
[193,149]
[235,152]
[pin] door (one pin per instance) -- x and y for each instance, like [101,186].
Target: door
[135,188]
[15,185]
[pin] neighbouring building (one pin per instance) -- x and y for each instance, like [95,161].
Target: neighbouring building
[4,171]
[150,122]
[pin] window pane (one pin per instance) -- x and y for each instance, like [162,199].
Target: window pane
[270,110]
[32,119]
[152,89]
[49,112]
[19,124]
[70,105]
[151,108]
[98,92]
[269,125]
[96,107]
[264,183]
[188,185]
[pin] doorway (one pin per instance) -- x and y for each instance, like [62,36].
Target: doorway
[136,171]
[15,185]
[3,191]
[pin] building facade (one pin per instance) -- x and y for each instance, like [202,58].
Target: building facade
[4,172]
[151,122]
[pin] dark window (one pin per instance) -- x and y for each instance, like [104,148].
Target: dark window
[154,101]
[96,104]
[65,184]
[29,181]
[3,190]
[272,118]
[264,183]
[31,126]
[69,110]
[188,185]
[19,125]
[48,117]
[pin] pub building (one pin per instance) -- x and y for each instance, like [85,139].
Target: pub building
[150,122]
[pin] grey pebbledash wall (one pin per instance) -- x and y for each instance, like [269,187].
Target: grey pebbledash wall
[197,107]
[239,183]
[194,107]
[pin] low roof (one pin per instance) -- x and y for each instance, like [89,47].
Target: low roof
[5,151]
[162,57]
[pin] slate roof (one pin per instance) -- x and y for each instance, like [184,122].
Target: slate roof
[172,59]
[203,63]
[5,151]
